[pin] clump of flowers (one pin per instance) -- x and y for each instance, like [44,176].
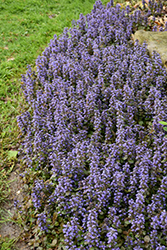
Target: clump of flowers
[92,129]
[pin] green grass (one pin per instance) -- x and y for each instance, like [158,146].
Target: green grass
[26,29]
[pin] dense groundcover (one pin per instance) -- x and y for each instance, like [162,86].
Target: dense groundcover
[92,132]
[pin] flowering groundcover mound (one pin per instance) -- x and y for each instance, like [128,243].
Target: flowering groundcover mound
[92,132]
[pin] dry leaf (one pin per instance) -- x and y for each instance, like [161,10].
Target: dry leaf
[54,217]
[10,59]
[147,238]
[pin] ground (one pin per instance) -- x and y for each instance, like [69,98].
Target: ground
[10,228]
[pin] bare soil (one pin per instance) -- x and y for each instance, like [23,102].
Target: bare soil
[11,228]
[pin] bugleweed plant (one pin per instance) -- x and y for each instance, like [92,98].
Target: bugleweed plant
[26,28]
[92,136]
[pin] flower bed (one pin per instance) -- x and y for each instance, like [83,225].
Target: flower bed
[92,133]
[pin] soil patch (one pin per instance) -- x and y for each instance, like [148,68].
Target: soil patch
[11,228]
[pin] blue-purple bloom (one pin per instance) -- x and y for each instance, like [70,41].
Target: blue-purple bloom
[92,129]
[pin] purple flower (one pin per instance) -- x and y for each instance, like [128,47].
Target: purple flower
[91,133]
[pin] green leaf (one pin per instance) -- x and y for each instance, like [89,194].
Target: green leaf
[131,161]
[165,128]
[101,216]
[51,226]
[56,223]
[163,123]
[12,154]
[127,222]
[54,242]
[141,123]
[125,158]
[62,247]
